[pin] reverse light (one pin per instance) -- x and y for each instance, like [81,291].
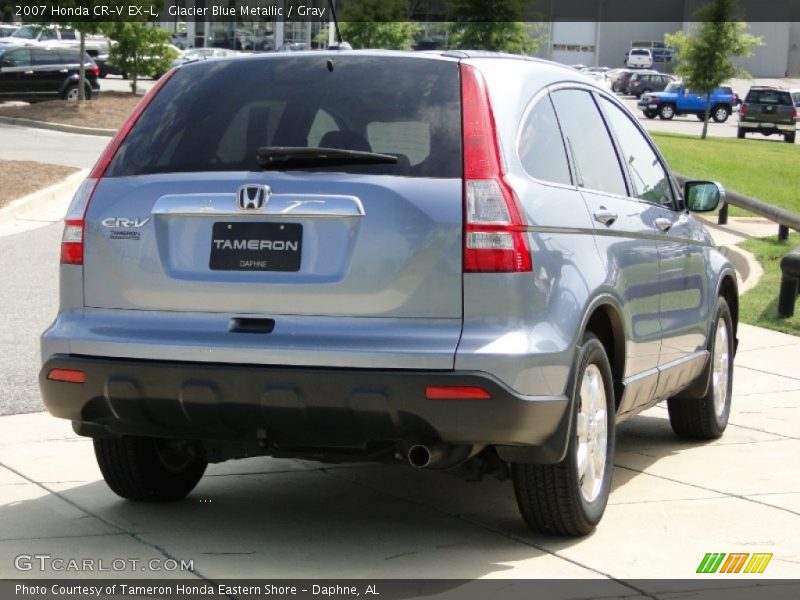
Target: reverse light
[494,235]
[456,392]
[75,220]
[67,375]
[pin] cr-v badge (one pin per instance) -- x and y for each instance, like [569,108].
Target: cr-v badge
[123,228]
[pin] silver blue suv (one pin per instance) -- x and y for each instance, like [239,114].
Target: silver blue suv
[454,260]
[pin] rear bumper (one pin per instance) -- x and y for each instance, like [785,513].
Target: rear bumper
[298,406]
[778,127]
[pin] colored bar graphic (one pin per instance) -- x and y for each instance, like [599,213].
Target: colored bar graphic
[713,562]
[758,563]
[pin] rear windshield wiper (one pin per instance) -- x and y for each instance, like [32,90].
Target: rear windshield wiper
[288,157]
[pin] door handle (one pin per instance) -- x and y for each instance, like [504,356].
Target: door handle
[604,216]
[663,224]
[63,71]
[27,72]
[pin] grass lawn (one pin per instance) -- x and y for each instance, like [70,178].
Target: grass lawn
[766,169]
[759,306]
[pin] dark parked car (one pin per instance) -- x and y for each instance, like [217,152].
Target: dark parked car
[768,111]
[35,73]
[644,83]
[624,80]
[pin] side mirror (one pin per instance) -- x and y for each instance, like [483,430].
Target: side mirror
[703,196]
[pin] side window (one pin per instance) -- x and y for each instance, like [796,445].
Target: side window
[541,148]
[650,179]
[48,35]
[323,123]
[596,163]
[45,57]
[19,58]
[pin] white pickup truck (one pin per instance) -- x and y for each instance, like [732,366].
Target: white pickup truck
[32,35]
[640,58]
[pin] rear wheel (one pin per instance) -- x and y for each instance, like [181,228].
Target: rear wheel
[71,92]
[789,138]
[650,114]
[740,133]
[666,112]
[706,418]
[720,113]
[569,498]
[150,469]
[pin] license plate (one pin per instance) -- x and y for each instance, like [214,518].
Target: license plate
[241,246]
[652,106]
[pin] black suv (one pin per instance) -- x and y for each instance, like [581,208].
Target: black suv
[35,74]
[768,111]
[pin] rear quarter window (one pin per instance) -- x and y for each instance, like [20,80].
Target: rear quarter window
[409,107]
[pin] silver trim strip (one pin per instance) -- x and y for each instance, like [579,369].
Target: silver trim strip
[279,205]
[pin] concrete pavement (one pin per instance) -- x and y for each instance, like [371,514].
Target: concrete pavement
[672,502]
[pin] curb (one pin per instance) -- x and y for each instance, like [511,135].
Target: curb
[50,195]
[747,267]
[62,127]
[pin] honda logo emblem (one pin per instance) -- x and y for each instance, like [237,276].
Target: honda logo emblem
[253,197]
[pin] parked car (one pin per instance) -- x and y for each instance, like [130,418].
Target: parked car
[644,83]
[795,97]
[768,111]
[624,81]
[202,54]
[415,273]
[7,29]
[619,78]
[55,36]
[41,73]
[676,100]
[639,58]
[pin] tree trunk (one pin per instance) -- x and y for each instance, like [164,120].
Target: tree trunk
[82,71]
[705,116]
[135,74]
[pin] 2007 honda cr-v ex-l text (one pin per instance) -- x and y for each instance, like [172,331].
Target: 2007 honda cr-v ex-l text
[455,260]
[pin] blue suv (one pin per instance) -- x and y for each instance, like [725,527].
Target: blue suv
[676,100]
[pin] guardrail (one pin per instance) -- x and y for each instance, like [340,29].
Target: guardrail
[785,219]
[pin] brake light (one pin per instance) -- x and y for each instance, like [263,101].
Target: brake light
[494,235]
[743,110]
[95,69]
[75,220]
[794,113]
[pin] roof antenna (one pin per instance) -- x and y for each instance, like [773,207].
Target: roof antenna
[341,44]
[335,21]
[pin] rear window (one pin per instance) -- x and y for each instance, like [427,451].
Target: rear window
[769,97]
[214,116]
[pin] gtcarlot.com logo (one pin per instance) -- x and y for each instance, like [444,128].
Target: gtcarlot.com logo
[47,562]
[735,562]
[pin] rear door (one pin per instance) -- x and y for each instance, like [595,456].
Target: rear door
[624,238]
[49,72]
[187,221]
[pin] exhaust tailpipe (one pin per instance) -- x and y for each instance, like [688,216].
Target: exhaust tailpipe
[422,456]
[439,455]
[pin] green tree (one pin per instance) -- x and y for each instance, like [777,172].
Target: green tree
[378,24]
[705,54]
[495,25]
[141,50]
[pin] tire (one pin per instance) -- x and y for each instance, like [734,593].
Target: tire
[650,114]
[645,91]
[720,113]
[789,138]
[557,499]
[706,417]
[150,469]
[740,133]
[700,117]
[666,112]
[71,92]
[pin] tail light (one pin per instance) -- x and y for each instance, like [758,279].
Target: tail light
[95,69]
[75,220]
[743,109]
[494,234]
[794,113]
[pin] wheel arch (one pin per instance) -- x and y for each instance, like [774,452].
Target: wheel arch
[604,319]
[728,289]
